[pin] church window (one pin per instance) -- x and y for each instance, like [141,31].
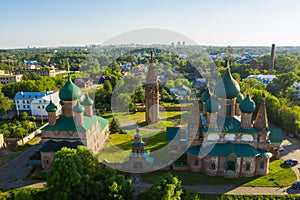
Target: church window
[262,165]
[248,165]
[212,165]
[196,163]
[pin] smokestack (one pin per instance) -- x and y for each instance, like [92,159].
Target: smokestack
[272,57]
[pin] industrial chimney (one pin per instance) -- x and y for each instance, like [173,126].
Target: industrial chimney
[272,63]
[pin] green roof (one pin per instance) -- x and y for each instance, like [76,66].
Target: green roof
[225,150]
[240,98]
[68,124]
[87,101]
[138,144]
[51,107]
[78,108]
[205,95]
[247,105]
[230,125]
[275,136]
[56,146]
[227,87]
[70,91]
[212,105]
[173,133]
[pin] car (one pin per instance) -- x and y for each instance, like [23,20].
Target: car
[291,135]
[291,162]
[296,185]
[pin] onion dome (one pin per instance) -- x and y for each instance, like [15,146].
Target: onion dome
[78,108]
[247,105]
[87,101]
[227,87]
[205,95]
[240,98]
[61,102]
[70,91]
[51,107]
[212,105]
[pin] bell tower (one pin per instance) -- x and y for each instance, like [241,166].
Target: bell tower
[152,94]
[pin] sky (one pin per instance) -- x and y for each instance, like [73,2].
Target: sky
[47,23]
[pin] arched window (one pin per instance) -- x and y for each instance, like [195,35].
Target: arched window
[212,165]
[248,165]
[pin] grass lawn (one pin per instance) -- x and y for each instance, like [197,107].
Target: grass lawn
[281,176]
[119,146]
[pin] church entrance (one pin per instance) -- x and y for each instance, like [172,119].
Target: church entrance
[230,165]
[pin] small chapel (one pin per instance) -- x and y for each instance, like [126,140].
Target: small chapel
[77,125]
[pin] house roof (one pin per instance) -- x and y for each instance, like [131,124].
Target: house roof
[83,79]
[225,149]
[275,136]
[68,124]
[230,125]
[56,146]
[31,95]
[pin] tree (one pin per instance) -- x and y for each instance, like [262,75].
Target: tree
[107,86]
[5,103]
[165,188]
[114,126]
[76,174]
[24,115]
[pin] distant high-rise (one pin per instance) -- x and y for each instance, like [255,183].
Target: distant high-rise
[272,61]
[152,94]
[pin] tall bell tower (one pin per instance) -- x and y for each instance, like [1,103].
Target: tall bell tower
[152,94]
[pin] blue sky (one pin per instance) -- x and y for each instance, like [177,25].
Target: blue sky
[209,22]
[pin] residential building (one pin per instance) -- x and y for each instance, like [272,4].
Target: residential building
[83,82]
[10,78]
[296,87]
[266,79]
[35,102]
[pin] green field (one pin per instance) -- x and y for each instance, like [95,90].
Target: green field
[279,175]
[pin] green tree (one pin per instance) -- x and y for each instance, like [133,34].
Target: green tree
[5,103]
[24,115]
[76,174]
[114,126]
[107,86]
[165,188]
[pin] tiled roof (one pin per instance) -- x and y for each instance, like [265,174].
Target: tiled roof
[230,125]
[275,136]
[68,124]
[56,146]
[225,149]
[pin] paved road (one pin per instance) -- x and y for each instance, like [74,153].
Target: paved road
[13,172]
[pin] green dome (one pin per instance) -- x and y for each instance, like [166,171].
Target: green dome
[51,107]
[247,105]
[70,91]
[240,98]
[78,108]
[88,101]
[227,87]
[205,95]
[212,105]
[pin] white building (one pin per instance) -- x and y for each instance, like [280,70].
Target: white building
[265,78]
[296,87]
[1,141]
[35,102]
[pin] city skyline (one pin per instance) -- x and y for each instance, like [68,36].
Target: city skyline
[75,23]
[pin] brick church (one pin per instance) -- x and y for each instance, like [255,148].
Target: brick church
[224,140]
[76,126]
